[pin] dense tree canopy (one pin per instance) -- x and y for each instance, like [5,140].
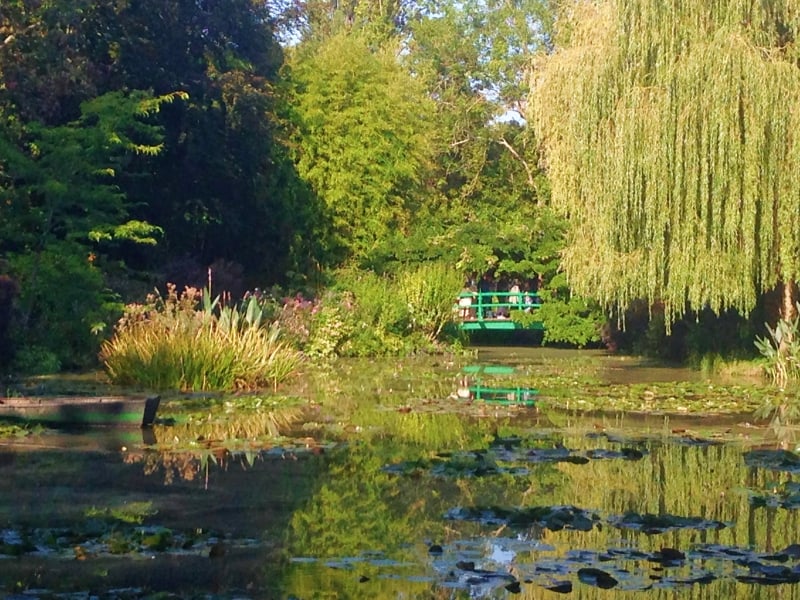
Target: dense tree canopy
[363,139]
[670,133]
[143,142]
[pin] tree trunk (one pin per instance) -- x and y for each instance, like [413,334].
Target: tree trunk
[789,302]
[788,311]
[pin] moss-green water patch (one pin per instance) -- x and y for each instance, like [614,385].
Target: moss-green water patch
[132,512]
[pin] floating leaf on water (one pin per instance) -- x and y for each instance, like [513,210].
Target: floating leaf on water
[669,556]
[764,574]
[650,523]
[597,578]
[548,454]
[701,578]
[691,440]
[776,460]
[575,460]
[624,453]
[554,518]
[560,587]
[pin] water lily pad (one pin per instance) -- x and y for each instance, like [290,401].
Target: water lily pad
[554,518]
[764,574]
[775,460]
[786,496]
[624,453]
[597,578]
[650,523]
[560,587]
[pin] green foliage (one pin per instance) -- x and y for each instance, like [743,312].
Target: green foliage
[63,206]
[379,319]
[780,349]
[668,134]
[330,328]
[363,129]
[572,320]
[62,297]
[366,314]
[429,291]
[170,343]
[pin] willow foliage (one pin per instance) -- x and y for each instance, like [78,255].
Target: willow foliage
[670,130]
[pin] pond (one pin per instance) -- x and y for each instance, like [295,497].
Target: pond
[390,479]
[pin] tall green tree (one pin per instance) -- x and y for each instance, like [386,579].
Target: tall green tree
[363,139]
[670,136]
[224,186]
[62,208]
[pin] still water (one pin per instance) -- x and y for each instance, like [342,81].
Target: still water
[390,479]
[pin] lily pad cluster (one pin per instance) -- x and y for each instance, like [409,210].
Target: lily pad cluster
[556,518]
[774,460]
[673,397]
[508,456]
[785,495]
[94,538]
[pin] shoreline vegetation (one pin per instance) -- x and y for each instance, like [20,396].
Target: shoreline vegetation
[188,342]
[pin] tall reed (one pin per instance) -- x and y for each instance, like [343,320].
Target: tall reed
[173,343]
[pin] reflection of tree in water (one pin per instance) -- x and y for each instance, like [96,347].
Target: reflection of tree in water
[219,439]
[685,484]
[363,505]
[178,465]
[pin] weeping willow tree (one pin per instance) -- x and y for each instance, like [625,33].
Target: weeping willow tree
[671,131]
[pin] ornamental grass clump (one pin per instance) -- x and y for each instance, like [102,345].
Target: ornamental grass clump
[190,342]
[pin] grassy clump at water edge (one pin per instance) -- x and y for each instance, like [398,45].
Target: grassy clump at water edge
[173,343]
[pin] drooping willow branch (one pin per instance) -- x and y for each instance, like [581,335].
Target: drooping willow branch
[671,134]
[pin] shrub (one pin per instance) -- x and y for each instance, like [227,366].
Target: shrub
[169,343]
[569,319]
[63,303]
[366,314]
[429,292]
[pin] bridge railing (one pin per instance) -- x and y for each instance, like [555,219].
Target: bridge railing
[482,306]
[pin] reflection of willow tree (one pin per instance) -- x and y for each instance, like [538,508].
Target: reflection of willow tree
[680,480]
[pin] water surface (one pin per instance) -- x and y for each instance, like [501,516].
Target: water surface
[379,481]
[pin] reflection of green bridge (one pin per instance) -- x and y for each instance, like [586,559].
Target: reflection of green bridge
[485,311]
[473,387]
[517,396]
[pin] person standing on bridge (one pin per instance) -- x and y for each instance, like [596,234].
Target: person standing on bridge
[514,294]
[486,287]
